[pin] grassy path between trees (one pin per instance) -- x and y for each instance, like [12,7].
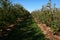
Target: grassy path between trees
[46,30]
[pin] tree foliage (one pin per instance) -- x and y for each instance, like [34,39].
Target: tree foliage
[24,27]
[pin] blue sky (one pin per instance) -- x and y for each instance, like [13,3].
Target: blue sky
[31,5]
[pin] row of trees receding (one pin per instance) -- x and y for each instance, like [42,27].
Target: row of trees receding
[16,23]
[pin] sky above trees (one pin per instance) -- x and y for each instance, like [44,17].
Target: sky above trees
[31,5]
